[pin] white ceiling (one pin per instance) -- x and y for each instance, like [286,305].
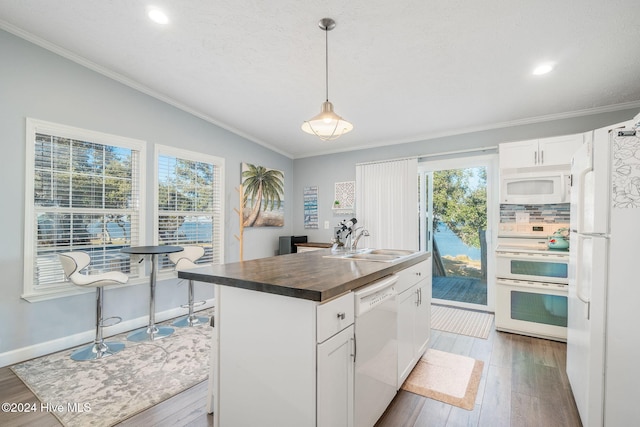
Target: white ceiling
[400,71]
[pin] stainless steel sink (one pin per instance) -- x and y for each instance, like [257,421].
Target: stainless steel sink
[374,257]
[379,255]
[394,252]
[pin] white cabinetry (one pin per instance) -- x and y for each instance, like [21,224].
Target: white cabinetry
[414,316]
[519,154]
[289,362]
[335,369]
[335,380]
[539,152]
[289,359]
[559,150]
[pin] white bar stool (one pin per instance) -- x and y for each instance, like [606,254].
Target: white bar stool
[185,260]
[72,263]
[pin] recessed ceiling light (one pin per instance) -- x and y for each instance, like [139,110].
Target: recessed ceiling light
[543,69]
[157,16]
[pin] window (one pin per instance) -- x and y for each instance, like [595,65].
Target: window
[83,191]
[190,202]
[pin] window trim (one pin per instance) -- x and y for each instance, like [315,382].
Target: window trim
[218,162]
[33,126]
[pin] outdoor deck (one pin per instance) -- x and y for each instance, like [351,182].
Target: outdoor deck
[461,289]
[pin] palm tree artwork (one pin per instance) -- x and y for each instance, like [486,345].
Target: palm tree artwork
[263,196]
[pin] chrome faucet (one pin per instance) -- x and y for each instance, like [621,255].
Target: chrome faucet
[364,232]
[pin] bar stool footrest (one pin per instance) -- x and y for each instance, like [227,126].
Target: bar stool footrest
[195,304]
[104,324]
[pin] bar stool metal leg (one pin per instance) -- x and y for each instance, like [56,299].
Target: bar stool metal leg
[151,332]
[191,319]
[99,349]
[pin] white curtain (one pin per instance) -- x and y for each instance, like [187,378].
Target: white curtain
[387,203]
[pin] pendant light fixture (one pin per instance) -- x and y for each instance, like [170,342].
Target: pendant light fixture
[327,125]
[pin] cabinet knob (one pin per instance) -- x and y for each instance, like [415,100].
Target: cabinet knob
[418,273]
[341,315]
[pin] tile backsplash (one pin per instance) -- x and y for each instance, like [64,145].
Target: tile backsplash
[551,213]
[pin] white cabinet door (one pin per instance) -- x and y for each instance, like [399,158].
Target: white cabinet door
[423,318]
[335,380]
[519,154]
[407,302]
[414,327]
[414,316]
[558,150]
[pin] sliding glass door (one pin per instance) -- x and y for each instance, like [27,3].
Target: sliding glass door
[455,216]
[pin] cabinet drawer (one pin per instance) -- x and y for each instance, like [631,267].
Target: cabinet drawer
[334,316]
[412,275]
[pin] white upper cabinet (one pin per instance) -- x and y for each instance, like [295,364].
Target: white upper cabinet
[559,150]
[519,154]
[539,152]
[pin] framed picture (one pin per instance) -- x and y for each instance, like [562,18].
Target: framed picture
[311,207]
[344,197]
[263,194]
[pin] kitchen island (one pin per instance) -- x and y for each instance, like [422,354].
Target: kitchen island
[284,337]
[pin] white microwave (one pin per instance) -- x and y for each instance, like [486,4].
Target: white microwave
[535,187]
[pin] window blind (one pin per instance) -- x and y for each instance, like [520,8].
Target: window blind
[190,203]
[387,203]
[86,197]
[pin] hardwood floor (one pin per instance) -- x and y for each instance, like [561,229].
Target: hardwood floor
[523,384]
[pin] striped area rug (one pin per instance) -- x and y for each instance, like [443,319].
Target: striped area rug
[459,321]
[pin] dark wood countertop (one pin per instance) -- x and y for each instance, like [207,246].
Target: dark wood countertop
[306,275]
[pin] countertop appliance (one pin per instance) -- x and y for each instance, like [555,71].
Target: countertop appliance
[558,240]
[376,360]
[603,342]
[531,281]
[287,244]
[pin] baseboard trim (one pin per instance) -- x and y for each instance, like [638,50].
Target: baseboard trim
[36,350]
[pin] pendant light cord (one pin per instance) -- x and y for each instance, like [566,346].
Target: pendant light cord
[326,63]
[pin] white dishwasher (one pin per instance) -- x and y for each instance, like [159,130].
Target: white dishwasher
[376,357]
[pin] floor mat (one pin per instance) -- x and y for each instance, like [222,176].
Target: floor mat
[459,321]
[446,377]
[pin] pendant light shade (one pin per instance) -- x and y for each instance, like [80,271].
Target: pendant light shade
[327,125]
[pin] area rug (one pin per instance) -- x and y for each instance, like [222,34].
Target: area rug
[107,391]
[459,321]
[446,377]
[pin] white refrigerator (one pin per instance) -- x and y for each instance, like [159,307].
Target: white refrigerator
[603,331]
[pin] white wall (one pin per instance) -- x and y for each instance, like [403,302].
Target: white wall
[324,171]
[37,83]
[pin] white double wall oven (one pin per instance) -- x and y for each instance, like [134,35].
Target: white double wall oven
[531,281]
